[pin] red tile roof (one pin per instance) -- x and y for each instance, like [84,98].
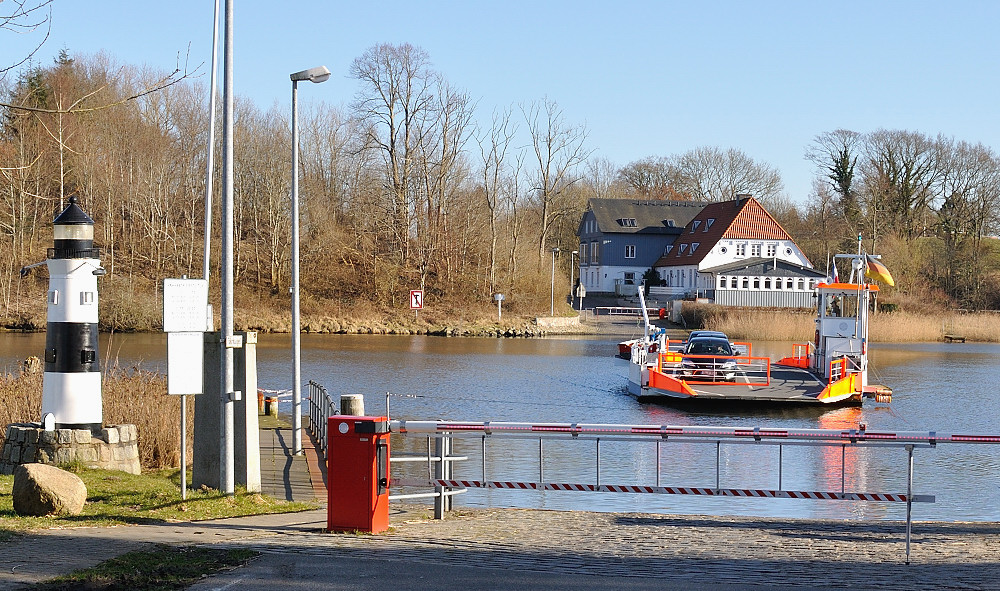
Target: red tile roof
[741,219]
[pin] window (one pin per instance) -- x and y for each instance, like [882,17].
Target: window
[755,250]
[694,246]
[746,283]
[722,281]
[788,283]
[708,223]
[54,297]
[670,223]
[668,248]
[583,253]
[741,249]
[767,283]
[87,298]
[732,282]
[802,284]
[626,222]
[756,282]
[772,250]
[630,251]
[595,256]
[694,225]
[629,278]
[777,282]
[683,248]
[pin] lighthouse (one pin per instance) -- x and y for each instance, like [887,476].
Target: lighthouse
[71,390]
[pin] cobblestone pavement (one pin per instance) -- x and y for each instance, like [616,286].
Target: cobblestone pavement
[550,549]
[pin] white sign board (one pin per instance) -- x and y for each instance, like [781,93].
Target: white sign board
[185,305]
[416,299]
[185,362]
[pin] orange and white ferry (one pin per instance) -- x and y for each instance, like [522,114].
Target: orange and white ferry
[830,371]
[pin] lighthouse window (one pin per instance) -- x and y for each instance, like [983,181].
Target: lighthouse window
[50,355]
[54,297]
[86,298]
[88,356]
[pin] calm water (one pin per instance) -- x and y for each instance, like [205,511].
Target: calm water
[945,388]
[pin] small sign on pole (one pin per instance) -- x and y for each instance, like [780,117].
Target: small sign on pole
[416,301]
[499,300]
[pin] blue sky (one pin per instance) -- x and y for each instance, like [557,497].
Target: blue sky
[646,78]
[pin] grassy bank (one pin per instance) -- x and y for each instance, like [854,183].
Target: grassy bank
[118,498]
[792,325]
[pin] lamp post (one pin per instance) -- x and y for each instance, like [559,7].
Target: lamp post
[317,75]
[552,291]
[571,255]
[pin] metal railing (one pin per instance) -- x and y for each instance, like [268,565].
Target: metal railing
[439,464]
[717,436]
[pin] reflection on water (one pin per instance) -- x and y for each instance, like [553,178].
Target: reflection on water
[948,388]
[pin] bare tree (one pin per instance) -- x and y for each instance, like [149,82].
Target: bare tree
[712,174]
[25,18]
[559,149]
[493,146]
[394,104]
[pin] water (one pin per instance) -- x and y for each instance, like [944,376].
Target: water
[948,388]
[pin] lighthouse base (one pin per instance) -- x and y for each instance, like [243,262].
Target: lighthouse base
[116,448]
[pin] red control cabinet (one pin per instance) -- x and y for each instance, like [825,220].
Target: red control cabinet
[357,474]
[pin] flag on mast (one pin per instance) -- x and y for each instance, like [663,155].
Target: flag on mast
[877,271]
[836,277]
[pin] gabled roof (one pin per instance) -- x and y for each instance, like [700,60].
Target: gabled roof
[738,219]
[759,266]
[628,216]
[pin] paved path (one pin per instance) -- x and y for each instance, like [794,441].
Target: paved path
[534,549]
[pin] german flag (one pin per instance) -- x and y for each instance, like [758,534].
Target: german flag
[877,271]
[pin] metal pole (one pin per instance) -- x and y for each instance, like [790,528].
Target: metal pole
[657,462]
[780,449]
[541,474]
[598,461]
[718,463]
[210,156]
[439,454]
[484,458]
[184,488]
[909,500]
[552,290]
[227,465]
[571,271]
[296,325]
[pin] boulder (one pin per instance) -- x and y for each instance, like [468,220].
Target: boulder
[40,489]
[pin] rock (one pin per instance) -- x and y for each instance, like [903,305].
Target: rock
[40,489]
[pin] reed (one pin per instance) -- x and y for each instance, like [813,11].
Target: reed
[798,325]
[131,395]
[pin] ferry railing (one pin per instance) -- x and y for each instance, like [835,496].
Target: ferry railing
[321,407]
[663,434]
[748,371]
[622,311]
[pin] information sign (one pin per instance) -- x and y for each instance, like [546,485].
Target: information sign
[185,305]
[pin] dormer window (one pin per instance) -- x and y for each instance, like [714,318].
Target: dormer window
[708,223]
[694,246]
[669,223]
[683,248]
[694,225]
[626,222]
[668,248]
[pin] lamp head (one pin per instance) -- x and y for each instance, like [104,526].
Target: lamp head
[317,75]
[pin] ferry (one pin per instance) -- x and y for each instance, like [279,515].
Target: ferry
[830,371]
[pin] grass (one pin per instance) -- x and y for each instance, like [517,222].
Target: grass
[163,568]
[118,498]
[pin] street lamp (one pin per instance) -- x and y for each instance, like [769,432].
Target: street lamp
[552,291]
[317,75]
[571,255]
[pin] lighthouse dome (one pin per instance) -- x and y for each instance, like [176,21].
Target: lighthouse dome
[73,233]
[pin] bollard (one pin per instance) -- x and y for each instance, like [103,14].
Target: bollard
[352,404]
[271,406]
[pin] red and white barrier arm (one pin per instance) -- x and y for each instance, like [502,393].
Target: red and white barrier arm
[497,429]
[668,490]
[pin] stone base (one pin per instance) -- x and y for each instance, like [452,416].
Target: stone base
[27,443]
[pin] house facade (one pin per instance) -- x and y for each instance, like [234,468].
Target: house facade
[621,239]
[733,252]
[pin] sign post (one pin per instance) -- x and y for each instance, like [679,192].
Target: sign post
[499,298]
[416,301]
[185,319]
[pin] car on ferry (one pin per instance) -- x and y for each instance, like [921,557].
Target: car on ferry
[709,358]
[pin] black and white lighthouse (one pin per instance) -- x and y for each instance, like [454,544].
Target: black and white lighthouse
[71,390]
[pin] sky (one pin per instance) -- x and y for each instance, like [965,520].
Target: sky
[645,78]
